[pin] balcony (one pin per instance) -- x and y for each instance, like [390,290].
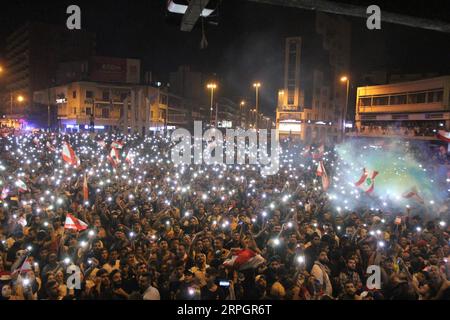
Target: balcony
[418,133]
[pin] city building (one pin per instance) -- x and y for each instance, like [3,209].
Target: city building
[110,106]
[312,104]
[99,68]
[335,34]
[413,109]
[104,92]
[33,53]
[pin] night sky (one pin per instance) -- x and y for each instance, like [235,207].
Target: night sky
[246,45]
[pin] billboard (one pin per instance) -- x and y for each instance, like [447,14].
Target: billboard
[108,69]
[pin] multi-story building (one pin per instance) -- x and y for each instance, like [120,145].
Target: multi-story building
[413,109]
[304,104]
[335,34]
[109,106]
[312,103]
[33,52]
[105,92]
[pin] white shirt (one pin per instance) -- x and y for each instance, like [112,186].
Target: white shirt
[151,294]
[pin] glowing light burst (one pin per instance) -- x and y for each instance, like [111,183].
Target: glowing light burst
[398,172]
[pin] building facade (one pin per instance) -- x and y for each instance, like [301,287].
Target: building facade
[33,53]
[413,109]
[111,106]
[304,108]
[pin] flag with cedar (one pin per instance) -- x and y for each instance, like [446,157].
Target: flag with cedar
[73,223]
[114,157]
[367,180]
[22,186]
[69,155]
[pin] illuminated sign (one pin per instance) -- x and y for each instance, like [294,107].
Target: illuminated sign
[61,100]
[225,124]
[290,127]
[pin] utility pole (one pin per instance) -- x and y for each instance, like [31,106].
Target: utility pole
[217,112]
[48,109]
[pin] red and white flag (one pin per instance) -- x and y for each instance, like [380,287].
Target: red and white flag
[69,155]
[367,181]
[114,157]
[74,223]
[130,157]
[26,266]
[21,186]
[117,144]
[413,194]
[85,189]
[443,135]
[244,259]
[321,172]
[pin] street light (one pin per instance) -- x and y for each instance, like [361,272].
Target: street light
[19,99]
[212,87]
[347,81]
[242,105]
[257,85]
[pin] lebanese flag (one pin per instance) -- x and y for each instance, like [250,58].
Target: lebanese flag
[26,266]
[21,186]
[367,180]
[319,153]
[114,157]
[321,172]
[74,223]
[130,157]
[69,155]
[117,144]
[443,135]
[244,259]
[413,194]
[85,189]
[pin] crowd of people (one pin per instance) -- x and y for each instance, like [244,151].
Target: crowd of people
[156,230]
[411,129]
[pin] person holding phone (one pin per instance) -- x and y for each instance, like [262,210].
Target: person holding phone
[214,289]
